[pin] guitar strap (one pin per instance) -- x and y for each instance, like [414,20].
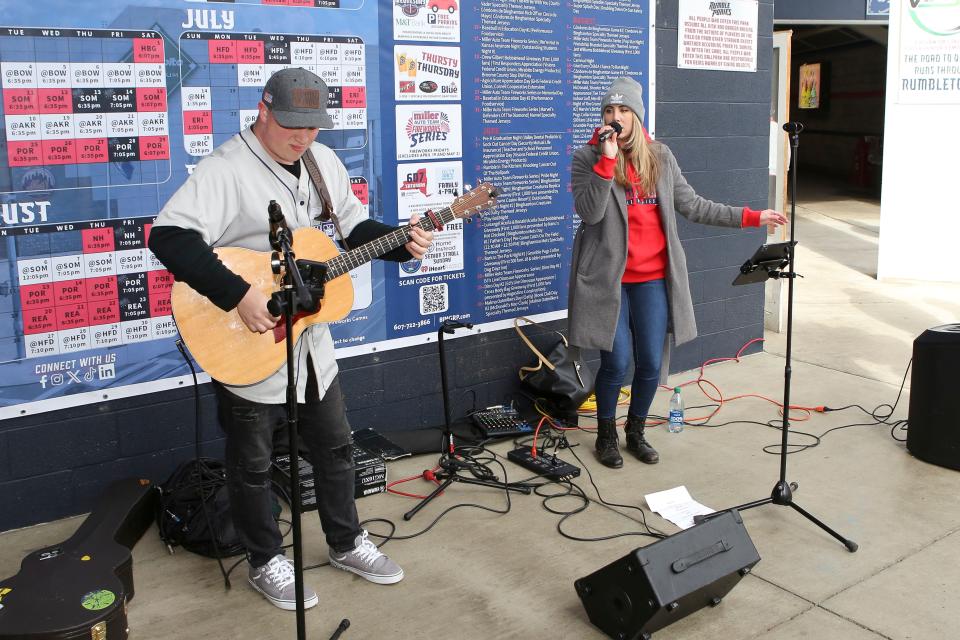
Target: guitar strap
[327,214]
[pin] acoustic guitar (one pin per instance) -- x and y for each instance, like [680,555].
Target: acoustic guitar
[228,351]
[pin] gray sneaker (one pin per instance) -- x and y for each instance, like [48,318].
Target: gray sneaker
[275,582]
[367,562]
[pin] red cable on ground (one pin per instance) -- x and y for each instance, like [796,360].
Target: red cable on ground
[427,474]
[700,381]
[536,433]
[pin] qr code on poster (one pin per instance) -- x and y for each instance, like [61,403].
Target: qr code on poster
[434,298]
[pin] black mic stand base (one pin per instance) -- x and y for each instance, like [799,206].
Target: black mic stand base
[449,465]
[782,495]
[448,475]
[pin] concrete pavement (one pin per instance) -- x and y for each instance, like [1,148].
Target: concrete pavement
[478,574]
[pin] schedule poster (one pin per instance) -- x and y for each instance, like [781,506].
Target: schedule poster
[107,108]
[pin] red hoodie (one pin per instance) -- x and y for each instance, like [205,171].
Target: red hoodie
[646,242]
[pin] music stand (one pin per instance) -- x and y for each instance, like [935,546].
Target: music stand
[768,262]
[449,464]
[765,263]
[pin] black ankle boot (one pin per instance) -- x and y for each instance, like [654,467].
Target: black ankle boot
[637,444]
[607,450]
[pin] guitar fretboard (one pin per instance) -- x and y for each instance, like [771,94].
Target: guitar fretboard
[363,254]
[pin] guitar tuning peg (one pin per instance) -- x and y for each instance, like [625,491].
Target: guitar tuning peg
[467,187]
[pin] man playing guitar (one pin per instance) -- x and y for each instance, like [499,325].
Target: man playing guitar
[224,204]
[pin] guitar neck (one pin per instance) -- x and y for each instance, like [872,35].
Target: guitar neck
[363,254]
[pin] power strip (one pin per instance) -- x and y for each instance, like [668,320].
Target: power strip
[547,465]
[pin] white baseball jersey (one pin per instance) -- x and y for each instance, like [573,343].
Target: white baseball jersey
[226,200]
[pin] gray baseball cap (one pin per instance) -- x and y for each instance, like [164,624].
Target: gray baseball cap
[297,98]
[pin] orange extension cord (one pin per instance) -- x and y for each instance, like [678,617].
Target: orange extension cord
[703,383]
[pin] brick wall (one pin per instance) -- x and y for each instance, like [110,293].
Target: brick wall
[717,125]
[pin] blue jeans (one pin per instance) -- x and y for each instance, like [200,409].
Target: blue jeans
[323,426]
[641,331]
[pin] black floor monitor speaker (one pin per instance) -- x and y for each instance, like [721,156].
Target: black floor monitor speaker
[933,434]
[656,585]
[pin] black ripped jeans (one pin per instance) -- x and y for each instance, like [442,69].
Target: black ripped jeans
[323,426]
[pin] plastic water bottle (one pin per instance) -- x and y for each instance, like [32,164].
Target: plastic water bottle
[675,425]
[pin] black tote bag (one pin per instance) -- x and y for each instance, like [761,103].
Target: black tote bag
[560,376]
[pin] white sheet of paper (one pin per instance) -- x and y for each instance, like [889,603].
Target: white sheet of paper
[677,506]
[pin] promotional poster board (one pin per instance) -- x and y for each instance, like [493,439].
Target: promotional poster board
[107,108]
[929,56]
[718,34]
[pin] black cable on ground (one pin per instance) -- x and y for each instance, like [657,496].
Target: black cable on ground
[880,414]
[202,467]
[478,468]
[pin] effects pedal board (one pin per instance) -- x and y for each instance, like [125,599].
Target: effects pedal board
[547,465]
[501,422]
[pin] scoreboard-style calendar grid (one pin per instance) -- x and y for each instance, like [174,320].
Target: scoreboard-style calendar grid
[82,98]
[108,289]
[220,94]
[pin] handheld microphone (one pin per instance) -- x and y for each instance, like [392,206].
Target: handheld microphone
[278,225]
[343,626]
[616,129]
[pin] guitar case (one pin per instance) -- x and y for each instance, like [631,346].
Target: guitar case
[80,587]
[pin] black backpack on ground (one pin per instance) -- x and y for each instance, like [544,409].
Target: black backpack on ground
[194,510]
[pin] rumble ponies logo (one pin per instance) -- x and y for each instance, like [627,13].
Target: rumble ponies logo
[720,9]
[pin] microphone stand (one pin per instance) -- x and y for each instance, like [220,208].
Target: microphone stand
[782,493]
[449,465]
[295,296]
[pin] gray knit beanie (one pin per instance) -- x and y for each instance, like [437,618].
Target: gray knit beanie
[625,91]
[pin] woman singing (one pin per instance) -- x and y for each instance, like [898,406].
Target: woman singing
[629,292]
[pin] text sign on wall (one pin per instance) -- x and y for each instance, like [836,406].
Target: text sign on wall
[929,66]
[719,35]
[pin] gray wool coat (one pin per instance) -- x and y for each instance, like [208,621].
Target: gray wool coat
[600,250]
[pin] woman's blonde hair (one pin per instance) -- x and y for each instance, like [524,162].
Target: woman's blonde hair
[638,151]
